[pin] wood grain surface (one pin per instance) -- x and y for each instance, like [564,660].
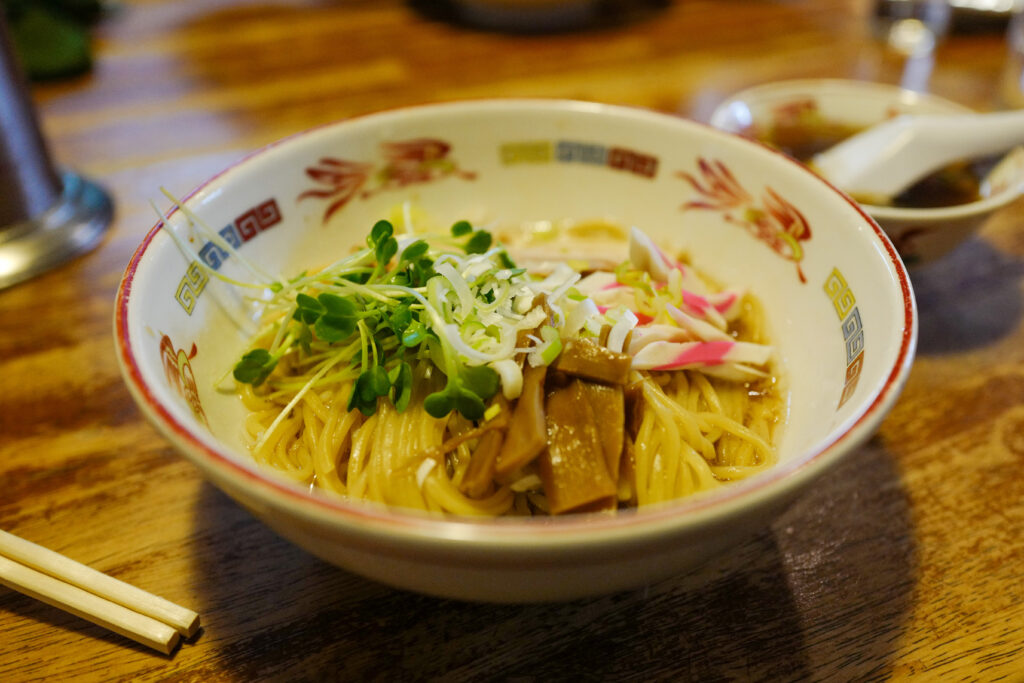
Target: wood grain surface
[905,563]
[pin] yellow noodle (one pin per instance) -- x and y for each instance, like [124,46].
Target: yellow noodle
[707,392]
[358,457]
[733,472]
[251,401]
[311,425]
[316,404]
[441,489]
[736,429]
[645,446]
[694,432]
[325,463]
[686,418]
[668,466]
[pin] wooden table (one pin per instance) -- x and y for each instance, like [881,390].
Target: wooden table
[907,562]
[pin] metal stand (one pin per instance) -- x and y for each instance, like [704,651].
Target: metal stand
[72,226]
[46,217]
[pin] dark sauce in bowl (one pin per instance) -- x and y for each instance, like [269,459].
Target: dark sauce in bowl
[958,183]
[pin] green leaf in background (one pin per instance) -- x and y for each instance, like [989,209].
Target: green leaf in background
[51,37]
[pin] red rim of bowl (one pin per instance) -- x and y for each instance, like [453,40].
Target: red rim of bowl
[502,531]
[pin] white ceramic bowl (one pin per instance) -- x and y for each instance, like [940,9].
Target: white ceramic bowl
[840,307]
[920,235]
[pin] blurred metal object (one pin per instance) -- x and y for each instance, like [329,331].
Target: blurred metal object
[911,30]
[962,16]
[46,217]
[1004,7]
[912,27]
[996,6]
[983,16]
[1011,86]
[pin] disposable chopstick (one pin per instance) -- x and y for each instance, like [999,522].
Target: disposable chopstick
[110,615]
[107,593]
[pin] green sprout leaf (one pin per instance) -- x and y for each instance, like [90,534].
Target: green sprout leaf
[400,319]
[337,305]
[360,277]
[438,404]
[479,242]
[420,271]
[401,382]
[380,231]
[379,382]
[480,380]
[414,251]
[305,338]
[414,334]
[333,328]
[505,260]
[309,309]
[466,391]
[394,325]
[460,228]
[385,251]
[470,405]
[333,317]
[369,386]
[254,367]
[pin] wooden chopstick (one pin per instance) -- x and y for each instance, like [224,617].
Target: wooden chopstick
[60,581]
[138,627]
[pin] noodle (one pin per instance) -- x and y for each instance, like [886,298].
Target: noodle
[683,431]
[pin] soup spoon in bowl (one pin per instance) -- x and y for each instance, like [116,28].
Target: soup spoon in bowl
[882,161]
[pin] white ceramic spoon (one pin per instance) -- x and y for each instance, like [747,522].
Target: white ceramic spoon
[886,159]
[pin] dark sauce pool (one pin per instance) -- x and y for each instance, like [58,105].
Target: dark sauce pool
[956,184]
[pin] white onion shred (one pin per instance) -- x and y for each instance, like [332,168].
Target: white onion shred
[622,327]
[511,377]
[423,471]
[480,307]
[581,312]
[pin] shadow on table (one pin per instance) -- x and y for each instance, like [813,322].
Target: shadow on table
[827,588]
[31,609]
[969,298]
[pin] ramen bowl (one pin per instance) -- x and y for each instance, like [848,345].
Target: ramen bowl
[921,235]
[836,295]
